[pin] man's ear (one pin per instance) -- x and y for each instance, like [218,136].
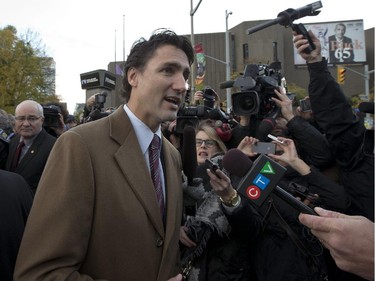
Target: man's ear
[133,76]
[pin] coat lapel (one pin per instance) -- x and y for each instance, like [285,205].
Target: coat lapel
[32,151]
[173,190]
[132,163]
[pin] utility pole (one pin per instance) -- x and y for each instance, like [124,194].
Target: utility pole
[227,61]
[193,67]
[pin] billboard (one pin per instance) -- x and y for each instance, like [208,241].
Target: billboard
[342,42]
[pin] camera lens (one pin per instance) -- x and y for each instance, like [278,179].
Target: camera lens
[249,103]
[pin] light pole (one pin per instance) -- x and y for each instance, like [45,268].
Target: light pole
[227,61]
[192,12]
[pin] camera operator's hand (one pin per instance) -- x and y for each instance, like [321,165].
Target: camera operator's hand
[246,146]
[198,97]
[301,44]
[90,102]
[285,103]
[290,156]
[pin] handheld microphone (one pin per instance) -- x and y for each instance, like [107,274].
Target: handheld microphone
[260,178]
[286,17]
[265,127]
[189,154]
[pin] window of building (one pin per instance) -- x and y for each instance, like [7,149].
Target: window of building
[245,53]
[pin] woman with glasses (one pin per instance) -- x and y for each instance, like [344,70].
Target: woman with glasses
[208,143]
[209,249]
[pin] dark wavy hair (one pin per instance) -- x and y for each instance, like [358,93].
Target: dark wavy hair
[142,51]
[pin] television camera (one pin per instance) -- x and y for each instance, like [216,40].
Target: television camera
[51,116]
[190,115]
[257,85]
[97,109]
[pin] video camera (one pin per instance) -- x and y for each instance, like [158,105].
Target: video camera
[96,111]
[51,116]
[189,115]
[257,87]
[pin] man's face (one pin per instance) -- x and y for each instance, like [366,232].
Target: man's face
[29,121]
[340,31]
[160,89]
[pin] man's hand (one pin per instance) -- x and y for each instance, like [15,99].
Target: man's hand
[285,103]
[350,239]
[301,44]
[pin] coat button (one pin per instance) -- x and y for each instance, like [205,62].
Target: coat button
[159,242]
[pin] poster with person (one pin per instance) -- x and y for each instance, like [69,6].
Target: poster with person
[342,42]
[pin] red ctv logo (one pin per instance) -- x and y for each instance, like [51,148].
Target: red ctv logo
[253,192]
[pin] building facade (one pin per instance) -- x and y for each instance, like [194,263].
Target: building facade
[271,44]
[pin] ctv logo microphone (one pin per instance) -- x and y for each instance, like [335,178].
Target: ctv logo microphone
[261,179]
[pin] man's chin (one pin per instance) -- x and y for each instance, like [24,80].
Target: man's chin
[171,116]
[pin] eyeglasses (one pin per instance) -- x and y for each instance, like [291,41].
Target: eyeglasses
[30,119]
[208,143]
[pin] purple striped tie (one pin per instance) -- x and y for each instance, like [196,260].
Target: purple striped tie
[154,155]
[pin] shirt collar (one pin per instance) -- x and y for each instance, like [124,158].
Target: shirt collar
[142,131]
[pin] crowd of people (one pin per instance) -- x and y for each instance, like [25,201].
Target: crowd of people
[110,199]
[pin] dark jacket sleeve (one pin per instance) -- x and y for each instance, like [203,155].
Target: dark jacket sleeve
[311,144]
[245,221]
[333,113]
[332,195]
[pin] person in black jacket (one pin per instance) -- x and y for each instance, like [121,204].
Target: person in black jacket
[37,143]
[16,199]
[312,146]
[352,145]
[344,130]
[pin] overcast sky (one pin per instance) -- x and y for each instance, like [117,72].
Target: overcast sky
[80,35]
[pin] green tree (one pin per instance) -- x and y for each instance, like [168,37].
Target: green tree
[25,71]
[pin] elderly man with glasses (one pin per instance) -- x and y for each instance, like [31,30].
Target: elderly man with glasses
[30,148]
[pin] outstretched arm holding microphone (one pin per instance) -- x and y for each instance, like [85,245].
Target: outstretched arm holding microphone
[350,239]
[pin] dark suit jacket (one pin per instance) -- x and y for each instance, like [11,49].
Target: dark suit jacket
[16,199]
[95,213]
[32,164]
[348,52]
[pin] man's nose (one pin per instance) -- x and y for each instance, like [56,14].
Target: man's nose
[180,84]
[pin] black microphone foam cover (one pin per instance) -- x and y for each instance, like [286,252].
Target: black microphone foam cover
[226,84]
[265,127]
[236,162]
[189,153]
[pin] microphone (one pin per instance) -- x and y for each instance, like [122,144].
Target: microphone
[286,17]
[227,84]
[260,178]
[217,114]
[265,127]
[189,154]
[366,107]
